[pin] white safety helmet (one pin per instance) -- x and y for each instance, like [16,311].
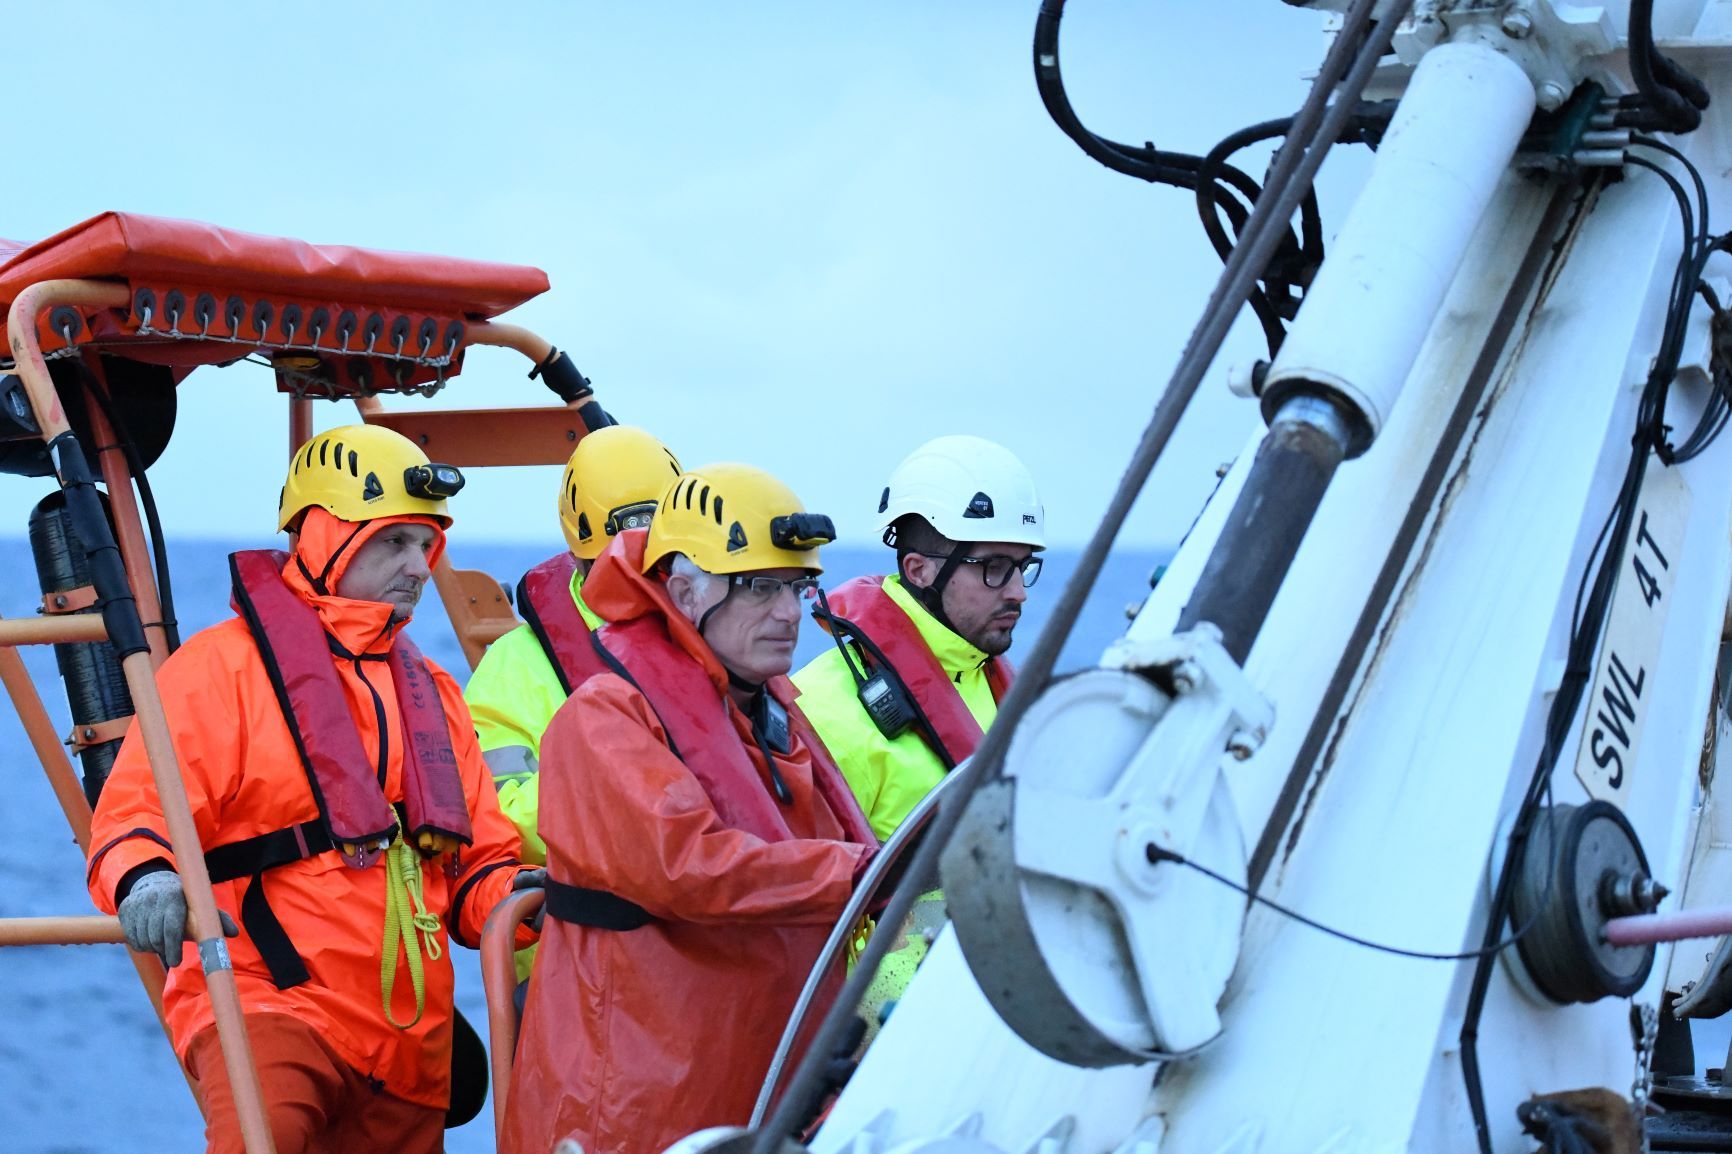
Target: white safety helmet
[967,488]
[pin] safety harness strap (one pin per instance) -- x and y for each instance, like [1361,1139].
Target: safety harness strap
[267,934]
[598,909]
[254,855]
[250,858]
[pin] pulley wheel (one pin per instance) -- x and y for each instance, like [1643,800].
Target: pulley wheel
[1091,950]
[1573,853]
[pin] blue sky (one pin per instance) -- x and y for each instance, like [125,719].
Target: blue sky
[807,236]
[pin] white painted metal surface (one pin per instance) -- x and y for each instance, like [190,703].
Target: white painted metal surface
[1390,267]
[1329,1045]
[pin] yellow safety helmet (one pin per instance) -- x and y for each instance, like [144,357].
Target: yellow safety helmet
[360,472]
[612,482]
[735,519]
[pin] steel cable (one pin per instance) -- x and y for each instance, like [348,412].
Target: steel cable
[1330,104]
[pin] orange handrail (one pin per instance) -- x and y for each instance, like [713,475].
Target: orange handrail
[81,930]
[63,780]
[499,981]
[52,630]
[152,723]
[129,530]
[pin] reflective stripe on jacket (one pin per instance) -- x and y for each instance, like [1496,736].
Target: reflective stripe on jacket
[244,778]
[633,1038]
[890,776]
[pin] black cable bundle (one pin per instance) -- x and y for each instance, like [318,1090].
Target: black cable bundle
[1222,190]
[1599,580]
[1667,98]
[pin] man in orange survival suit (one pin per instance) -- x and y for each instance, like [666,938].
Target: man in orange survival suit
[314,685]
[700,842]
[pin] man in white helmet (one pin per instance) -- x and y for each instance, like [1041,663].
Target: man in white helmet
[918,669]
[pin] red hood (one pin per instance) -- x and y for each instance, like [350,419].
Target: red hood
[359,626]
[617,589]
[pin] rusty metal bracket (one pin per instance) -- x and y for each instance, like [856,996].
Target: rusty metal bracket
[69,600]
[83,737]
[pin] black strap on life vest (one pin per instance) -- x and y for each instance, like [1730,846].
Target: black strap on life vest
[599,909]
[250,858]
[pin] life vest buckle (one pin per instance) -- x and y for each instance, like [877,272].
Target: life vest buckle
[359,856]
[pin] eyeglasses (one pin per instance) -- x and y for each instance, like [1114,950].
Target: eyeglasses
[763,590]
[996,568]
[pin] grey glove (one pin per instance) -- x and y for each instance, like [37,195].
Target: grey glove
[532,879]
[153,916]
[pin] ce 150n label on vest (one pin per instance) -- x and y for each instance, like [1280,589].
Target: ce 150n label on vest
[1623,687]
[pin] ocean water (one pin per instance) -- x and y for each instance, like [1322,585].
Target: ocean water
[83,1064]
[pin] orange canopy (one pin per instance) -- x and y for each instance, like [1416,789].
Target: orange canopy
[198,291]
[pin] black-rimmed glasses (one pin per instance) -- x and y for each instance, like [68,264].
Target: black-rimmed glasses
[996,568]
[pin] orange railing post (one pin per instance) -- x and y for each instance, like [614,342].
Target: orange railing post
[152,723]
[499,981]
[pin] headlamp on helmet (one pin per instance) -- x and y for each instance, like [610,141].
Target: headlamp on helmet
[731,518]
[611,482]
[433,482]
[801,531]
[634,516]
[364,472]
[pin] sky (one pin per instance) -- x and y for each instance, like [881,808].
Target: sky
[808,236]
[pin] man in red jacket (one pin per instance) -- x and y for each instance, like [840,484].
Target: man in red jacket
[700,842]
[341,800]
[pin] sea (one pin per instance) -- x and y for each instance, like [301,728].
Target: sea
[84,1066]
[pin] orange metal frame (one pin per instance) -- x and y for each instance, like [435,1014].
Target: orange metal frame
[477,605]
[499,980]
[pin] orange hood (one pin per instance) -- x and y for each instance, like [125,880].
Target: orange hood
[617,589]
[322,551]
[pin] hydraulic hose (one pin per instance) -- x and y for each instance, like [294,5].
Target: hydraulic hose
[1672,104]
[1144,163]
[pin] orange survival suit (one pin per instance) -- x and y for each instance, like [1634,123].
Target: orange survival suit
[244,779]
[656,1013]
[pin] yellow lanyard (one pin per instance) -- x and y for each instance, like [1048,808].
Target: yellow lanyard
[405,913]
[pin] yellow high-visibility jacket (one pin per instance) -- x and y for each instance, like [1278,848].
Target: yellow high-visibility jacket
[512,695]
[889,777]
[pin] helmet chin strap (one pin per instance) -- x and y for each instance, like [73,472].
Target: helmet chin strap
[704,617]
[740,683]
[703,620]
[769,720]
[319,583]
[932,596]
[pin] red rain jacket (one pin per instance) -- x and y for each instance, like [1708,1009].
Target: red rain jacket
[243,778]
[635,1038]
